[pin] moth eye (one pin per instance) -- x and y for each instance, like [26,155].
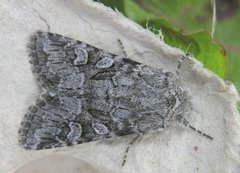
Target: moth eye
[168,74]
[171,102]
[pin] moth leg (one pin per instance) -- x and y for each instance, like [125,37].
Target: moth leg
[184,122]
[180,64]
[128,148]
[122,47]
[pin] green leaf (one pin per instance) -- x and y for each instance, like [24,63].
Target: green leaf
[135,12]
[188,14]
[114,4]
[199,44]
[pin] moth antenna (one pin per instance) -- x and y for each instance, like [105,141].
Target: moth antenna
[122,47]
[128,148]
[180,64]
[184,122]
[200,132]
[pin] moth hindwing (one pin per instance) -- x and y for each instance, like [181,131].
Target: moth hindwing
[90,94]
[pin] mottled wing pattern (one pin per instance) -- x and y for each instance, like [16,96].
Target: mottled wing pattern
[90,94]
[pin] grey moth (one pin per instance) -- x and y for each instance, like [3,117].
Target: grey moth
[90,94]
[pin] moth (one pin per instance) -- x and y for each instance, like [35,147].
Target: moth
[89,94]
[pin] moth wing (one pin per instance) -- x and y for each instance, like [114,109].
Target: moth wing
[49,123]
[91,95]
[55,58]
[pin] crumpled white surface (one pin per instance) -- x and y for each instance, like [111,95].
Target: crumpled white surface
[175,149]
